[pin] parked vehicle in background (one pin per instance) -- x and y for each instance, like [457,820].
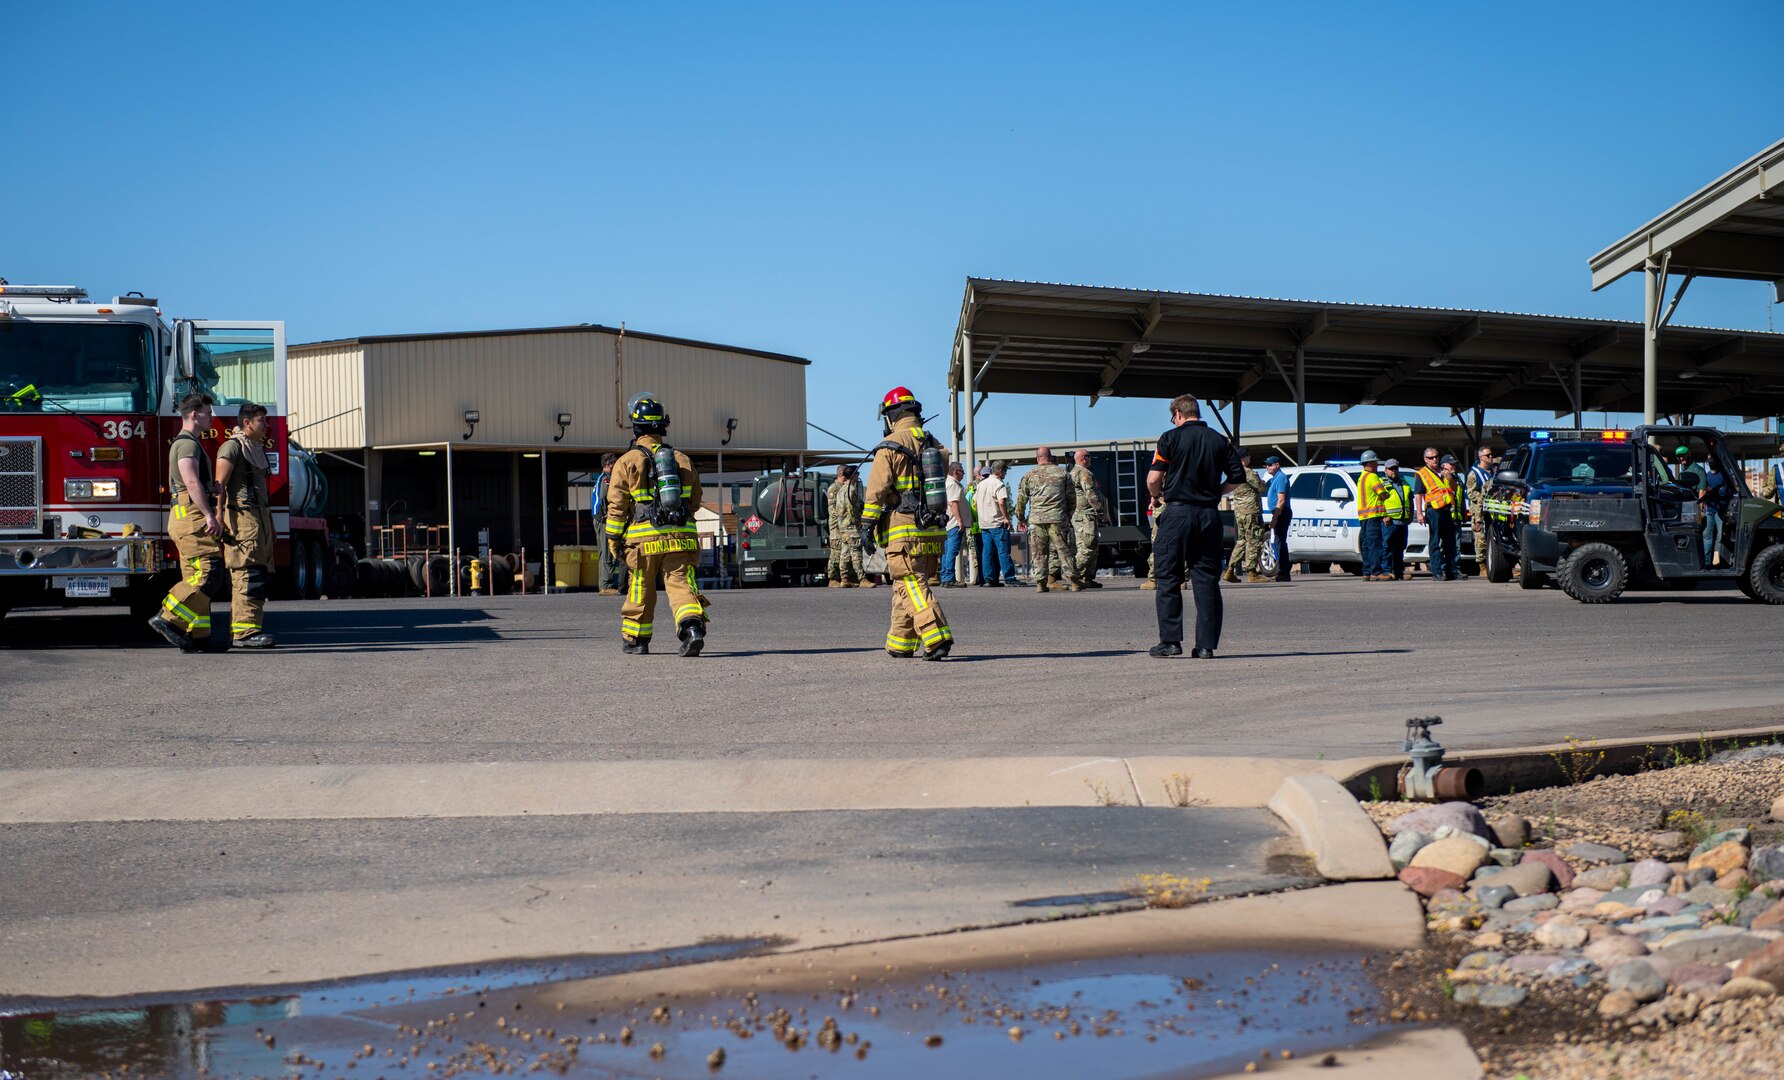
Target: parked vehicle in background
[1599,510]
[783,527]
[88,396]
[1326,530]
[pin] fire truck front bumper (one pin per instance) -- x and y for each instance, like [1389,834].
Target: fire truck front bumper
[109,555]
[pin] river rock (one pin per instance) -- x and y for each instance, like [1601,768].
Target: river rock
[1561,935]
[1722,858]
[1772,918]
[1427,880]
[1710,945]
[1494,896]
[1667,905]
[1649,872]
[1527,878]
[1505,856]
[1701,875]
[1608,950]
[1778,808]
[1698,976]
[1491,995]
[1581,899]
[1426,819]
[1617,1003]
[1405,846]
[1767,964]
[1509,830]
[1661,926]
[1742,837]
[1739,987]
[1767,863]
[1531,963]
[1604,878]
[1632,897]
[1612,912]
[1638,979]
[1459,855]
[1444,832]
[1527,905]
[1707,894]
[1667,841]
[1556,864]
[1594,853]
[1485,960]
[1735,881]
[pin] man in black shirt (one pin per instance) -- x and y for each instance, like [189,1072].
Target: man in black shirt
[1192,468]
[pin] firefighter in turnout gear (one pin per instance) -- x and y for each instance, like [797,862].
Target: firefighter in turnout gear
[247,515]
[906,511]
[194,528]
[651,501]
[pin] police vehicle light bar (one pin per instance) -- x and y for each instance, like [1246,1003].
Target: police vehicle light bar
[1540,436]
[49,292]
[1615,436]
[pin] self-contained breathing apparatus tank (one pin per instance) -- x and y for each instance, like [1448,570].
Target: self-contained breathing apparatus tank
[928,503]
[670,510]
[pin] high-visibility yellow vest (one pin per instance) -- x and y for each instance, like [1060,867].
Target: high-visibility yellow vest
[1396,502]
[1439,493]
[1371,495]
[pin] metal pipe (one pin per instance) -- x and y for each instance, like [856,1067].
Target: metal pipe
[544,531]
[451,520]
[718,548]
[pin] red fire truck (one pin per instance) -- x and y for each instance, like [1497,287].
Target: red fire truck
[88,396]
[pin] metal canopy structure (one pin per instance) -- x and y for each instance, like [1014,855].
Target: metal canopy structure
[1732,228]
[1033,338]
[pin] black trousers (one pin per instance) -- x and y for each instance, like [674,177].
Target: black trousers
[1188,536]
[1279,526]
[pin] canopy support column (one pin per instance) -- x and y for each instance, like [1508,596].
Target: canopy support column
[1653,283]
[1238,408]
[451,521]
[1300,405]
[544,527]
[966,387]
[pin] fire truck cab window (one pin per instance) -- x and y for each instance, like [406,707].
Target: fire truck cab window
[233,366]
[75,367]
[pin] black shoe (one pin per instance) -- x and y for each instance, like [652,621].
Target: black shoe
[940,652]
[637,648]
[260,639]
[1166,648]
[1202,654]
[693,637]
[994,584]
[1092,583]
[900,655]
[174,635]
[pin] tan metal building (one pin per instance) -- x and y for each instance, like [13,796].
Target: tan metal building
[484,430]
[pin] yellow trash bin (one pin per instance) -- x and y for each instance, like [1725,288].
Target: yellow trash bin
[566,567]
[591,567]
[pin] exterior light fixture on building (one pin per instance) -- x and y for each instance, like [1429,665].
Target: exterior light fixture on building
[563,422]
[472,416]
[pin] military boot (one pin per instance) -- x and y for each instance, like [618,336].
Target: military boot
[693,637]
[1041,586]
[1148,585]
[834,584]
[1257,579]
[869,583]
[1229,577]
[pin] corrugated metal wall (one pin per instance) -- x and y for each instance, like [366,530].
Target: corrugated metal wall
[418,391]
[325,383]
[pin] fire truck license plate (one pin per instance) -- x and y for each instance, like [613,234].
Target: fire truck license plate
[87,586]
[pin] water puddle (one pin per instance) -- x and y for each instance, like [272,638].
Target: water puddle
[1179,1016]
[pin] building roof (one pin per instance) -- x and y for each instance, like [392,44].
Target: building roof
[1041,338]
[1732,228]
[579,328]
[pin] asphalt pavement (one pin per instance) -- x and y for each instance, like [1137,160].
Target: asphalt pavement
[1327,667]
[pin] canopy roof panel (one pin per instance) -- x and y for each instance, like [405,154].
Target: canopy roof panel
[1733,228]
[1040,338]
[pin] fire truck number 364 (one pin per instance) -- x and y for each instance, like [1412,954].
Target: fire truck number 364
[124,429]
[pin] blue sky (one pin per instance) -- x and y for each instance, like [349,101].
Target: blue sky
[820,179]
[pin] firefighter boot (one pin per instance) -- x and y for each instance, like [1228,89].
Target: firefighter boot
[174,635]
[693,637]
[636,648]
[259,639]
[940,652]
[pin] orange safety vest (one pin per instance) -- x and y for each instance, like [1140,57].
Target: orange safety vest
[1372,491]
[1439,493]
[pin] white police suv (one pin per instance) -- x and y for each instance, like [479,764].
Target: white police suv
[1326,530]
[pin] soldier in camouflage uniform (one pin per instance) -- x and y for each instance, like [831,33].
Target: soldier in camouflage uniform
[1474,487]
[1153,509]
[1768,484]
[844,499]
[1248,528]
[1045,495]
[1089,512]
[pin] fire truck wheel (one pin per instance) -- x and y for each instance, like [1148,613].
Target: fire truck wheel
[318,570]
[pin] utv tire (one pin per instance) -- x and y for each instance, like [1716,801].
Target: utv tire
[1765,575]
[1498,564]
[1594,574]
[1528,578]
